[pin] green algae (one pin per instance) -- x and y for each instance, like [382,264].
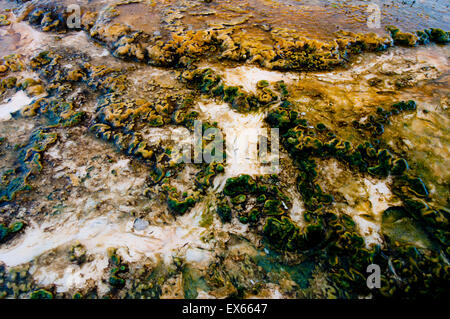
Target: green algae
[224,212]
[243,189]
[7,232]
[300,273]
[29,156]
[41,294]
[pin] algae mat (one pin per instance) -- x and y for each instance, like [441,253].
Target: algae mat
[214,149]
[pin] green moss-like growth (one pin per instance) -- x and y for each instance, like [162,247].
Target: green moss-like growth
[281,233]
[421,270]
[8,83]
[439,36]
[272,208]
[116,122]
[255,199]
[321,127]
[224,212]
[266,96]
[384,164]
[399,166]
[283,118]
[331,239]
[16,227]
[417,186]
[180,206]
[116,281]
[4,232]
[421,37]
[312,194]
[402,38]
[41,294]
[77,253]
[262,84]
[57,112]
[284,234]
[337,237]
[77,295]
[375,122]
[204,179]
[117,270]
[29,159]
[243,184]
[4,20]
[238,199]
[281,87]
[207,82]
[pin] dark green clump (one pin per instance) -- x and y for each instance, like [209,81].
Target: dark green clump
[29,158]
[180,206]
[117,271]
[402,38]
[375,123]
[77,295]
[399,166]
[272,207]
[439,36]
[57,112]
[8,232]
[255,199]
[41,294]
[284,234]
[420,37]
[331,239]
[224,212]
[243,184]
[281,86]
[421,271]
[417,186]
[238,199]
[203,179]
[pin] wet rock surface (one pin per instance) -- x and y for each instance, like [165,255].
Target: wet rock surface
[95,201]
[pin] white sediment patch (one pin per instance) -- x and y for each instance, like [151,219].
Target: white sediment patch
[81,41]
[366,198]
[13,104]
[157,242]
[29,41]
[101,220]
[370,230]
[297,210]
[241,135]
[72,275]
[248,76]
[379,194]
[369,219]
